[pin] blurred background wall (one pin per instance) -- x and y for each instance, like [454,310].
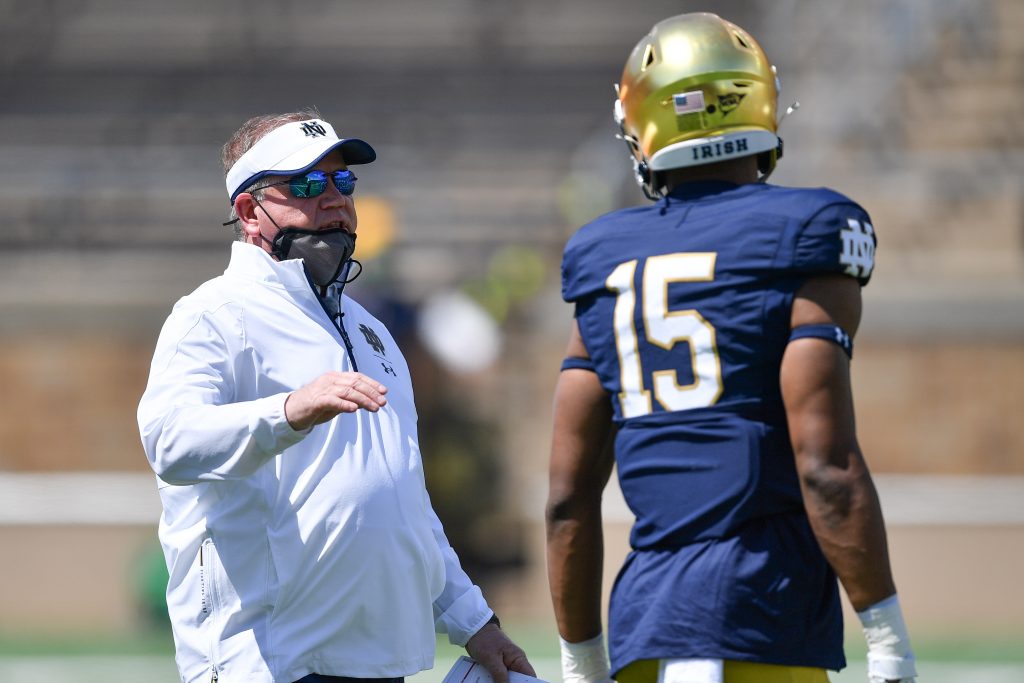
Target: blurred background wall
[493,126]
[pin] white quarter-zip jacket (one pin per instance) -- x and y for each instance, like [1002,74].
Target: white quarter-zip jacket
[292,552]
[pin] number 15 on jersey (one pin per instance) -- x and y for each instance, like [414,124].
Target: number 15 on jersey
[665,329]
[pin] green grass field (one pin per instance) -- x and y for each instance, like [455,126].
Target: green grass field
[75,658]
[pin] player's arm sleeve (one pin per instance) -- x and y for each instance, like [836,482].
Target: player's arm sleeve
[838,238]
[460,610]
[192,429]
[839,495]
[578,289]
[577,363]
[581,462]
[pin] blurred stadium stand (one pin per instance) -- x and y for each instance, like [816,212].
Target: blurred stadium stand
[493,126]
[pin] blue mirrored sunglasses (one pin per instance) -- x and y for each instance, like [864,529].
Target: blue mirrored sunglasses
[314,183]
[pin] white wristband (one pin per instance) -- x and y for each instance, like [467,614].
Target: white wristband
[585,662]
[889,655]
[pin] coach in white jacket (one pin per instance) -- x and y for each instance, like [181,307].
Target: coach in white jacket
[280,422]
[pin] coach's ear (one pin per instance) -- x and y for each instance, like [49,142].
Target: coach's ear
[245,209]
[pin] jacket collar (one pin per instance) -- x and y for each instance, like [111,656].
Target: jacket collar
[252,263]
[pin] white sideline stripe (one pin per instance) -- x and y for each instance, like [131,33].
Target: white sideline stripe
[88,668]
[106,498]
[128,498]
[907,500]
[947,499]
[160,669]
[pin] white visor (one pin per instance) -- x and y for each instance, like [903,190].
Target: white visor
[711,149]
[291,149]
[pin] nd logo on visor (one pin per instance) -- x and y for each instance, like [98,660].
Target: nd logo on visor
[313,129]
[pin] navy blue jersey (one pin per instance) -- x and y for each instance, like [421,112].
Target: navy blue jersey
[684,307]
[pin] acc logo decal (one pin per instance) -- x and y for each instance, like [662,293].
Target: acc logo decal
[313,129]
[858,253]
[729,102]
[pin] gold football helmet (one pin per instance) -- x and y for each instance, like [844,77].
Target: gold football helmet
[696,90]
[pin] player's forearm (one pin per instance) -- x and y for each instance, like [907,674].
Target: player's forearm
[846,517]
[575,551]
[582,458]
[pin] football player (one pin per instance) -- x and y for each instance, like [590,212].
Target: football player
[709,360]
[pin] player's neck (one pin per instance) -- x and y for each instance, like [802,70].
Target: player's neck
[737,171]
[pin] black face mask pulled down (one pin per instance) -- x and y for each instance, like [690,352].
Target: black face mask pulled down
[324,252]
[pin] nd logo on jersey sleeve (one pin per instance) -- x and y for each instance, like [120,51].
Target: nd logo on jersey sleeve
[858,254]
[836,238]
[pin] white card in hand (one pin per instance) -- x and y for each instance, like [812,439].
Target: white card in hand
[466,670]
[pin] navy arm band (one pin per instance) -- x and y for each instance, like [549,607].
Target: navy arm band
[832,333]
[574,363]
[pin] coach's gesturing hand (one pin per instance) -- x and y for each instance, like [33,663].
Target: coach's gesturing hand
[332,393]
[496,652]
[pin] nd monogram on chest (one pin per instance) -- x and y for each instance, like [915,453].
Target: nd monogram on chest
[377,349]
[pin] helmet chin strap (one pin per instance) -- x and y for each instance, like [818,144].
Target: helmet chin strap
[641,171]
[765,163]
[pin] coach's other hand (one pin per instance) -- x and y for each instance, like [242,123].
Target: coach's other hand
[497,653]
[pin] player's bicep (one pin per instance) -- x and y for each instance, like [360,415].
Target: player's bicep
[828,299]
[581,451]
[815,374]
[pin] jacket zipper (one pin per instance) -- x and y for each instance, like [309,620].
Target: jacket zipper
[340,327]
[348,342]
[206,571]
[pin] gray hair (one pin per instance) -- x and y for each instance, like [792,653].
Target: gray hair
[251,132]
